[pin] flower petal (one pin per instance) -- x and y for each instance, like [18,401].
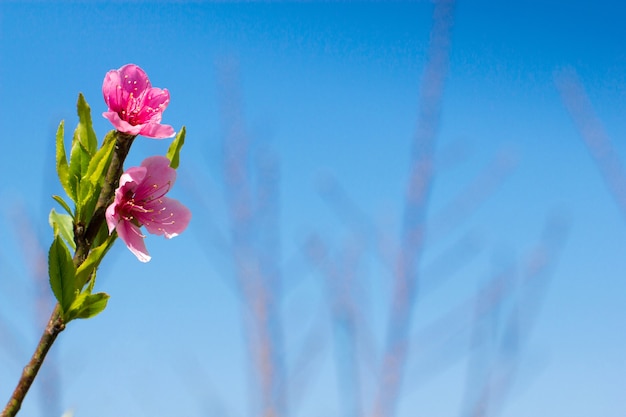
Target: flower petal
[157,131]
[154,102]
[112,90]
[132,237]
[130,180]
[159,178]
[133,79]
[122,125]
[111,216]
[169,217]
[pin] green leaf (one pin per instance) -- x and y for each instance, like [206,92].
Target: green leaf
[100,162]
[63,224]
[63,169]
[84,146]
[79,161]
[88,201]
[173,152]
[88,305]
[63,204]
[84,130]
[62,273]
[92,262]
[102,235]
[94,176]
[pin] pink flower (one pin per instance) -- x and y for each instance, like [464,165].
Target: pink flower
[134,106]
[139,201]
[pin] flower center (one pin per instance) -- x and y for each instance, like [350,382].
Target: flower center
[145,209]
[133,108]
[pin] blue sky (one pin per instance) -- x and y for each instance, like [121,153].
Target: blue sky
[328,92]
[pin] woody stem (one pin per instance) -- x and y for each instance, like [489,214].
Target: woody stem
[84,237]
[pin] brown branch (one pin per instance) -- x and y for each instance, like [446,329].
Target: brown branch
[84,237]
[54,327]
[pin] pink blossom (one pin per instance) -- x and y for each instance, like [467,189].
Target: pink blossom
[140,201]
[135,107]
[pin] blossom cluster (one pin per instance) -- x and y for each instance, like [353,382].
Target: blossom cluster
[136,108]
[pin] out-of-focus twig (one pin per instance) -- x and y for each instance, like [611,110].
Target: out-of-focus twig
[592,132]
[348,323]
[476,192]
[254,230]
[418,191]
[500,337]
